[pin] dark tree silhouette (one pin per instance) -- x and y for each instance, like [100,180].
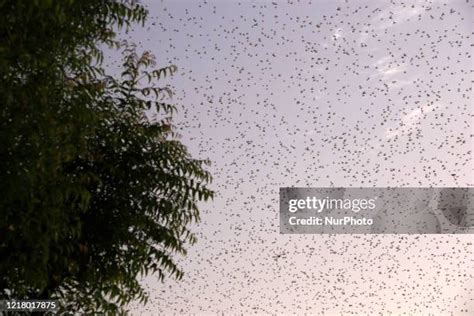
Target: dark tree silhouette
[94,193]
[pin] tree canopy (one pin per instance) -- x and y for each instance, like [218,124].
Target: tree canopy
[95,192]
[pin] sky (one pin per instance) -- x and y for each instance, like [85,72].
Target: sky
[316,94]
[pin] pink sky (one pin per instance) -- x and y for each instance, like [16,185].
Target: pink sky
[321,93]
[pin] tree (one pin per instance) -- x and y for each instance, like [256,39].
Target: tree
[95,193]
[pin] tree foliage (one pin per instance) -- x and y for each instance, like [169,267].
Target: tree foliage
[95,193]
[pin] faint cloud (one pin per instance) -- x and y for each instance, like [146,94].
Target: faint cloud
[337,34]
[410,119]
[392,15]
[400,83]
[386,68]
